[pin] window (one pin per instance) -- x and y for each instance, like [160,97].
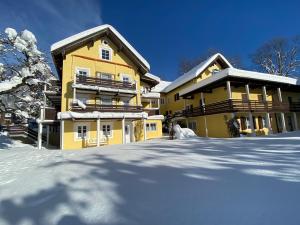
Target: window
[106,53]
[260,98]
[105,76]
[106,101]
[125,78]
[81,131]
[106,129]
[244,98]
[176,97]
[162,101]
[261,122]
[192,125]
[126,101]
[254,122]
[215,71]
[151,127]
[243,123]
[83,72]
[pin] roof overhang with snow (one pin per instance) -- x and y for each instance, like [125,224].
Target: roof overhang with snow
[59,49]
[241,77]
[200,68]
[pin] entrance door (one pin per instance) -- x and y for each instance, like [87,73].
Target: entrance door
[127,133]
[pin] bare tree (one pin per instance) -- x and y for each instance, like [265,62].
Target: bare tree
[280,56]
[187,64]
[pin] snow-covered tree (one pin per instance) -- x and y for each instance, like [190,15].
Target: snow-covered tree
[280,56]
[23,73]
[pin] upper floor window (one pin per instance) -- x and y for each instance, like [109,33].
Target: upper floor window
[105,76]
[106,101]
[125,78]
[176,97]
[162,101]
[215,71]
[83,71]
[105,53]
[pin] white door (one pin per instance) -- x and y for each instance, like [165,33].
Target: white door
[127,133]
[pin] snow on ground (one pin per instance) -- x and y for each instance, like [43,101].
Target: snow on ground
[172,182]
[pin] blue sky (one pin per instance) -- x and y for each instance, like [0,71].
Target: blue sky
[164,32]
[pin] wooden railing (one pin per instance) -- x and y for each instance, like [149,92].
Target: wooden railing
[235,105]
[107,108]
[94,81]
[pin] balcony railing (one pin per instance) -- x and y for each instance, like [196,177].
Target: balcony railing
[107,108]
[94,81]
[234,105]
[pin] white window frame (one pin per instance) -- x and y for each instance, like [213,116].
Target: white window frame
[77,69]
[111,129]
[149,127]
[106,48]
[81,124]
[122,75]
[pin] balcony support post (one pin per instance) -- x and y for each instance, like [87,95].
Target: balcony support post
[203,107]
[123,130]
[48,134]
[144,129]
[62,130]
[98,132]
[268,120]
[40,133]
[295,120]
[250,116]
[282,113]
[229,93]
[74,89]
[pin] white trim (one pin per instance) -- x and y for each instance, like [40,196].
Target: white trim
[102,115]
[106,48]
[194,72]
[83,69]
[98,88]
[75,129]
[94,31]
[232,72]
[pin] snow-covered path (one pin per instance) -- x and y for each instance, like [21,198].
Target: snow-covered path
[195,181]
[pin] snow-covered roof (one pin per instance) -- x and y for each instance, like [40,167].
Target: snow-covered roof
[195,72]
[161,86]
[153,77]
[93,31]
[237,73]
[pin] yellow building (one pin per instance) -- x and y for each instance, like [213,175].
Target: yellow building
[106,95]
[207,97]
[105,92]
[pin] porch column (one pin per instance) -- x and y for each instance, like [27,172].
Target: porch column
[40,133]
[295,120]
[250,116]
[144,128]
[62,130]
[98,132]
[203,106]
[229,93]
[74,89]
[282,113]
[268,121]
[48,133]
[123,130]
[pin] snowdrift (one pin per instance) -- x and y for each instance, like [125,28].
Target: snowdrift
[183,133]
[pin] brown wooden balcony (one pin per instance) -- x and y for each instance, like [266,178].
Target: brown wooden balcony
[234,105]
[50,114]
[107,108]
[94,81]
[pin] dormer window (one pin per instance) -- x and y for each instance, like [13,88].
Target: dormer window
[215,71]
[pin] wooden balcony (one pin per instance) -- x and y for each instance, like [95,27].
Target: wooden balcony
[107,108]
[50,114]
[234,105]
[94,81]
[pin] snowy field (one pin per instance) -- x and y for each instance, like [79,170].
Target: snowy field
[195,181]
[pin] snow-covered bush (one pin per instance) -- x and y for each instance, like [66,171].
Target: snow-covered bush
[183,133]
[23,73]
[233,127]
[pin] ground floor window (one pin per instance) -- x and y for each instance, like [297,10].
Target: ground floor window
[81,131]
[106,129]
[151,127]
[261,122]
[192,125]
[245,123]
